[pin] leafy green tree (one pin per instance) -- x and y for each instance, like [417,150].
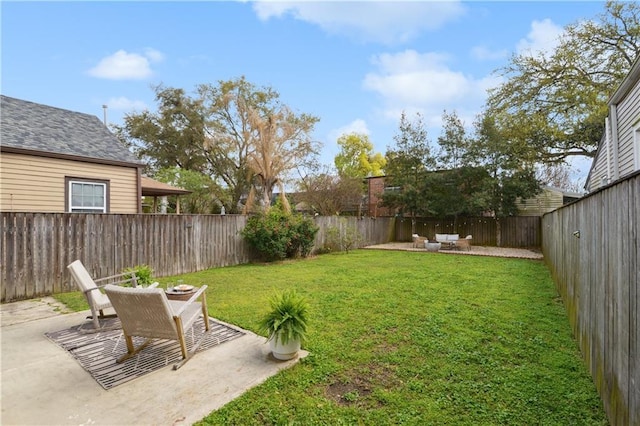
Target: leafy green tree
[554,104]
[407,163]
[454,142]
[206,197]
[509,175]
[456,192]
[171,137]
[215,132]
[464,178]
[356,158]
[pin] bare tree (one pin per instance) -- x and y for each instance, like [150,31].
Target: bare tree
[329,194]
[282,141]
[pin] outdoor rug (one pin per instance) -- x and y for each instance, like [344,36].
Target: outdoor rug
[97,352]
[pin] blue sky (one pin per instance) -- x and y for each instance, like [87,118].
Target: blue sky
[355,65]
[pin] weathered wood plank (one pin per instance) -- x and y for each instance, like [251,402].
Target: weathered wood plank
[598,280]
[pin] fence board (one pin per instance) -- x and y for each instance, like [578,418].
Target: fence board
[597,275]
[37,247]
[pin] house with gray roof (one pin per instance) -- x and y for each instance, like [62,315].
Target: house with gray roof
[56,160]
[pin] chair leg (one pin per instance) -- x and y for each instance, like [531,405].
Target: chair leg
[186,355]
[131,350]
[205,312]
[183,344]
[96,319]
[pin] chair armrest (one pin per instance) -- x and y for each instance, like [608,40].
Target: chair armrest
[190,301]
[154,285]
[117,279]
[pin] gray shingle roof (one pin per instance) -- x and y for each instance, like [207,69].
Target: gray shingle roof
[32,126]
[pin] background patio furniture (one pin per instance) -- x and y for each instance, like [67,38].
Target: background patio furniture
[464,243]
[418,241]
[447,240]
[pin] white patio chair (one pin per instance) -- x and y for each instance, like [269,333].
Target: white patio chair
[147,312]
[90,288]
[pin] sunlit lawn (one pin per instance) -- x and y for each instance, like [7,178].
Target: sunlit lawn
[410,338]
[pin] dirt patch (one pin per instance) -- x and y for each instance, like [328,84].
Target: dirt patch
[349,393]
[356,388]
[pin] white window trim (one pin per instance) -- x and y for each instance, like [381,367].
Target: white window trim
[71,207]
[636,147]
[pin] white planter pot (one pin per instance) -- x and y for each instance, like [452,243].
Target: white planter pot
[284,352]
[432,246]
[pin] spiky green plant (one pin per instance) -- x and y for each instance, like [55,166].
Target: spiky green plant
[287,320]
[144,274]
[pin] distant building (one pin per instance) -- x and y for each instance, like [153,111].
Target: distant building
[546,201]
[375,188]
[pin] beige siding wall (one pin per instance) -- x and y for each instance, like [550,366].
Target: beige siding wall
[544,202]
[37,184]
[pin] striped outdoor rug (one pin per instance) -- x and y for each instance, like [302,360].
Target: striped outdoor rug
[97,352]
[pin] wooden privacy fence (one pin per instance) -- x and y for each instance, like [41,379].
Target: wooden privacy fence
[37,247]
[371,230]
[591,248]
[516,231]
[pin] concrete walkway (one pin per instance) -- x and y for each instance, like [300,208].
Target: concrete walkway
[44,385]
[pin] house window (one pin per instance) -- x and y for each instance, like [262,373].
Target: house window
[87,196]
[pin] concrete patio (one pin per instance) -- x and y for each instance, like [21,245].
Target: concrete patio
[44,385]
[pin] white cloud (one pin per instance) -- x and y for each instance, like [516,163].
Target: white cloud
[154,55]
[423,82]
[483,53]
[543,38]
[383,22]
[123,66]
[125,104]
[356,126]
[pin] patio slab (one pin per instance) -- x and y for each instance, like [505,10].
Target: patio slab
[43,384]
[521,253]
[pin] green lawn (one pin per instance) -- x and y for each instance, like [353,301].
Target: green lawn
[411,338]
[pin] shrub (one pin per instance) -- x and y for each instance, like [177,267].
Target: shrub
[343,238]
[303,237]
[277,235]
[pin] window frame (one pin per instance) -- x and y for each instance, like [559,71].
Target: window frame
[636,147]
[68,199]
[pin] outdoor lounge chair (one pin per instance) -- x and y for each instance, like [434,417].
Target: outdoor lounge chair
[96,299]
[147,312]
[418,241]
[464,243]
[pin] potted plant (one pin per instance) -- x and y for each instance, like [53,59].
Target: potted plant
[286,324]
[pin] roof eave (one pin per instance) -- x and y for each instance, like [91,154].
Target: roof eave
[60,156]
